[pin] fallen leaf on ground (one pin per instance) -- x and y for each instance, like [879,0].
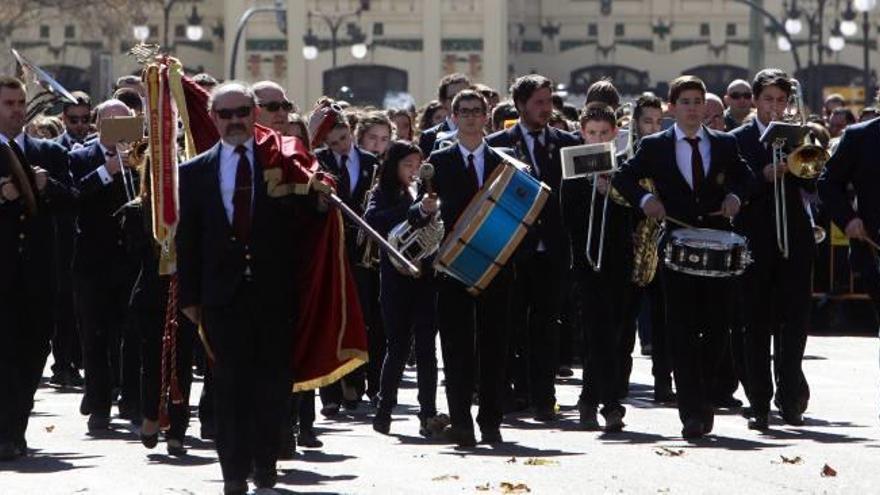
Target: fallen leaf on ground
[828,471]
[483,488]
[667,452]
[537,461]
[507,487]
[445,477]
[512,460]
[50,428]
[791,460]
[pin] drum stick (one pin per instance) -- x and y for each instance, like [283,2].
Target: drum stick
[871,242]
[678,222]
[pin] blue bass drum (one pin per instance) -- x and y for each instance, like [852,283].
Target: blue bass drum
[491,227]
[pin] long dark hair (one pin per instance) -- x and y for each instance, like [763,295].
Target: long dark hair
[389,183]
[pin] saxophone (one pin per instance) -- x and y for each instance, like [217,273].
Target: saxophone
[370,257]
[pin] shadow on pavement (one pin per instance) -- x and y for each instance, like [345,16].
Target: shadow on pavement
[507,449]
[47,463]
[729,443]
[187,460]
[628,437]
[321,456]
[301,477]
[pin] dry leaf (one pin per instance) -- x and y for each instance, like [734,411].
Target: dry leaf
[828,471]
[50,428]
[537,461]
[791,460]
[445,477]
[483,488]
[667,452]
[507,487]
[512,460]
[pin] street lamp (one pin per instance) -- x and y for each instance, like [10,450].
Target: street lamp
[848,26]
[194,29]
[141,32]
[836,41]
[783,44]
[865,6]
[359,50]
[793,24]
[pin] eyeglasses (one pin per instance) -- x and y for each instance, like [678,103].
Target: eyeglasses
[470,112]
[77,120]
[240,112]
[274,106]
[737,95]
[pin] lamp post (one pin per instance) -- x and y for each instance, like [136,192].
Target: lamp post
[359,48]
[865,7]
[194,29]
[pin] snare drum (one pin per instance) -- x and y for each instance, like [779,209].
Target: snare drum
[707,253]
[491,227]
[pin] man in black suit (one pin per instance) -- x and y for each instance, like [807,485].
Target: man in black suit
[104,273]
[34,185]
[449,86]
[697,173]
[460,171]
[66,347]
[544,258]
[354,170]
[854,163]
[237,255]
[776,289]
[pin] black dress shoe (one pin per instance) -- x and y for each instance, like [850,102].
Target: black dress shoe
[747,412]
[564,372]
[330,410]
[729,402]
[491,437]
[382,422]
[351,405]
[149,441]
[58,379]
[98,424]
[73,378]
[693,429]
[308,439]
[545,414]
[614,421]
[462,438]
[9,452]
[265,478]
[793,418]
[759,422]
[175,447]
[84,405]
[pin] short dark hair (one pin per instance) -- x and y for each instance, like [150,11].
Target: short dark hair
[598,111]
[683,83]
[398,150]
[604,91]
[11,82]
[449,80]
[771,77]
[427,114]
[469,95]
[488,92]
[205,80]
[524,87]
[82,100]
[367,120]
[503,111]
[570,111]
[124,80]
[130,97]
[646,101]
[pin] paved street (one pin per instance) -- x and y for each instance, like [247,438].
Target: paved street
[648,457]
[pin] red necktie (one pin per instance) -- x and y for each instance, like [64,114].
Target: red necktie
[241,199]
[697,172]
[472,172]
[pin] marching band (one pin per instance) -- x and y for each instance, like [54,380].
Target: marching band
[286,253]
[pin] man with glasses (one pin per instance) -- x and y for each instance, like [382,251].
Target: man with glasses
[77,120]
[237,255]
[739,104]
[274,105]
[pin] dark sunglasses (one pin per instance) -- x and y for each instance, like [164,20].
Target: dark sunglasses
[470,112]
[78,120]
[274,106]
[240,112]
[736,95]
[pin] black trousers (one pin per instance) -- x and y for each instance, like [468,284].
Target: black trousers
[661,353]
[466,321]
[697,311]
[304,409]
[103,301]
[540,285]
[27,309]
[252,377]
[366,378]
[608,301]
[150,315]
[778,295]
[408,307]
[66,347]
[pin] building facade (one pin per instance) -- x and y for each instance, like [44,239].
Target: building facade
[406,46]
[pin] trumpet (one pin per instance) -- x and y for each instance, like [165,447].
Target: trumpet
[417,244]
[806,162]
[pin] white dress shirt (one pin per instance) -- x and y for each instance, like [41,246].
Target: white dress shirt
[353,165]
[19,140]
[530,144]
[479,160]
[228,168]
[103,173]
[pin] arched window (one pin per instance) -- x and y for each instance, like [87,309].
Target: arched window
[367,84]
[628,81]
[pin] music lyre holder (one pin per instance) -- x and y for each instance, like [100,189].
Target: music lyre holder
[782,137]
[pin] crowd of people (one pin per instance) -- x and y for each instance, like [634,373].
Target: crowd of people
[80,276]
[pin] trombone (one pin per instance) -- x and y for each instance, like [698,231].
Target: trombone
[806,162]
[596,262]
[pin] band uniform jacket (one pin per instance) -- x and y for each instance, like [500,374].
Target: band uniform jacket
[655,159]
[30,240]
[550,225]
[428,137]
[854,162]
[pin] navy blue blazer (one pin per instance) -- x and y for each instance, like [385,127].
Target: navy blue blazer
[211,261]
[655,159]
[428,137]
[550,225]
[854,162]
